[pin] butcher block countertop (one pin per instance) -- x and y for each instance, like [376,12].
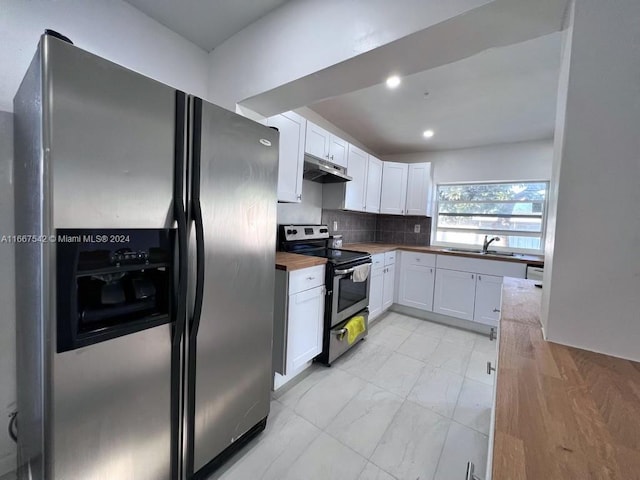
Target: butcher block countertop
[561,412]
[293,261]
[374,248]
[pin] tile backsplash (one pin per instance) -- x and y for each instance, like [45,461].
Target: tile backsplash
[356,227]
[401,229]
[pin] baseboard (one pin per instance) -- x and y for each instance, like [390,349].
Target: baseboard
[443,319]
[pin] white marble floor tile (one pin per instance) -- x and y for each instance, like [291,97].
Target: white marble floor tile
[483,344]
[461,337]
[362,422]
[398,374]
[474,406]
[364,360]
[411,446]
[477,368]
[270,455]
[402,321]
[418,346]
[451,356]
[438,390]
[389,336]
[321,402]
[462,445]
[326,459]
[431,329]
[373,472]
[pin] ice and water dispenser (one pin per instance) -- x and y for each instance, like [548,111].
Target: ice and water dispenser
[112,283]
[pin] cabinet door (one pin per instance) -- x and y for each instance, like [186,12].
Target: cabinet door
[338,151]
[454,293]
[317,141]
[488,300]
[374,185]
[304,339]
[418,188]
[376,292]
[389,285]
[394,188]
[416,286]
[290,165]
[356,189]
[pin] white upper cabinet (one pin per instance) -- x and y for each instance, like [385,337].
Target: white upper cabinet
[419,189]
[317,141]
[356,189]
[374,185]
[292,128]
[324,145]
[338,151]
[393,198]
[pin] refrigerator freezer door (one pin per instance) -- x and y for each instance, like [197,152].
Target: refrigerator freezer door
[233,344]
[109,137]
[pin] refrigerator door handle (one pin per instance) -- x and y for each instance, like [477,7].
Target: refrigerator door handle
[197,217]
[180,287]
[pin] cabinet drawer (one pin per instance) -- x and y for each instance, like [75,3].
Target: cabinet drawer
[377,260]
[389,258]
[306,278]
[415,258]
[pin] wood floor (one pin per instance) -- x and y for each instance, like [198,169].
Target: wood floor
[561,412]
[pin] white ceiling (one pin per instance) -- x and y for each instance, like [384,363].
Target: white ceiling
[206,23]
[500,95]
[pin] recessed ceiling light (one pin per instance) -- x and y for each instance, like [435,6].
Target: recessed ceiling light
[393,81]
[428,133]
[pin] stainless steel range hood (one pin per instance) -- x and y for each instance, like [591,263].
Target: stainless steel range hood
[321,171]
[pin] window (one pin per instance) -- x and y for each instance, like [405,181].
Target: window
[515,212]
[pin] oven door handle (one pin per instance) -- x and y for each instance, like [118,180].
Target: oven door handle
[345,272]
[349,270]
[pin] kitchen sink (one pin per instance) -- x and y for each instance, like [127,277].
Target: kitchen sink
[462,250]
[479,252]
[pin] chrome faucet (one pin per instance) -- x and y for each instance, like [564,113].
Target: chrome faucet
[486,243]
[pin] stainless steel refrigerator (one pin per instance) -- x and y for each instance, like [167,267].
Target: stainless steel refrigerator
[145,248]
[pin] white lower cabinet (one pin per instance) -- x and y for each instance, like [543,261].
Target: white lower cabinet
[417,274]
[298,322]
[389,284]
[304,339]
[454,293]
[383,280]
[376,292]
[488,299]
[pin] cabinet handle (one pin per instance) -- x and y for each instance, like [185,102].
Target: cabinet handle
[311,278]
[479,277]
[300,197]
[327,156]
[496,310]
[331,157]
[431,270]
[490,368]
[472,276]
[492,334]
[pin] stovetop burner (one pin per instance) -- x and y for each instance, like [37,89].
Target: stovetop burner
[312,240]
[334,255]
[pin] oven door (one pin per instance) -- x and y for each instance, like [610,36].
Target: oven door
[348,297]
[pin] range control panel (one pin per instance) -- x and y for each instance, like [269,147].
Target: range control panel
[303,232]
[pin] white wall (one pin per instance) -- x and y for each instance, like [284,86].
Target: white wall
[7,298]
[594,286]
[307,211]
[114,30]
[111,29]
[504,162]
[305,36]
